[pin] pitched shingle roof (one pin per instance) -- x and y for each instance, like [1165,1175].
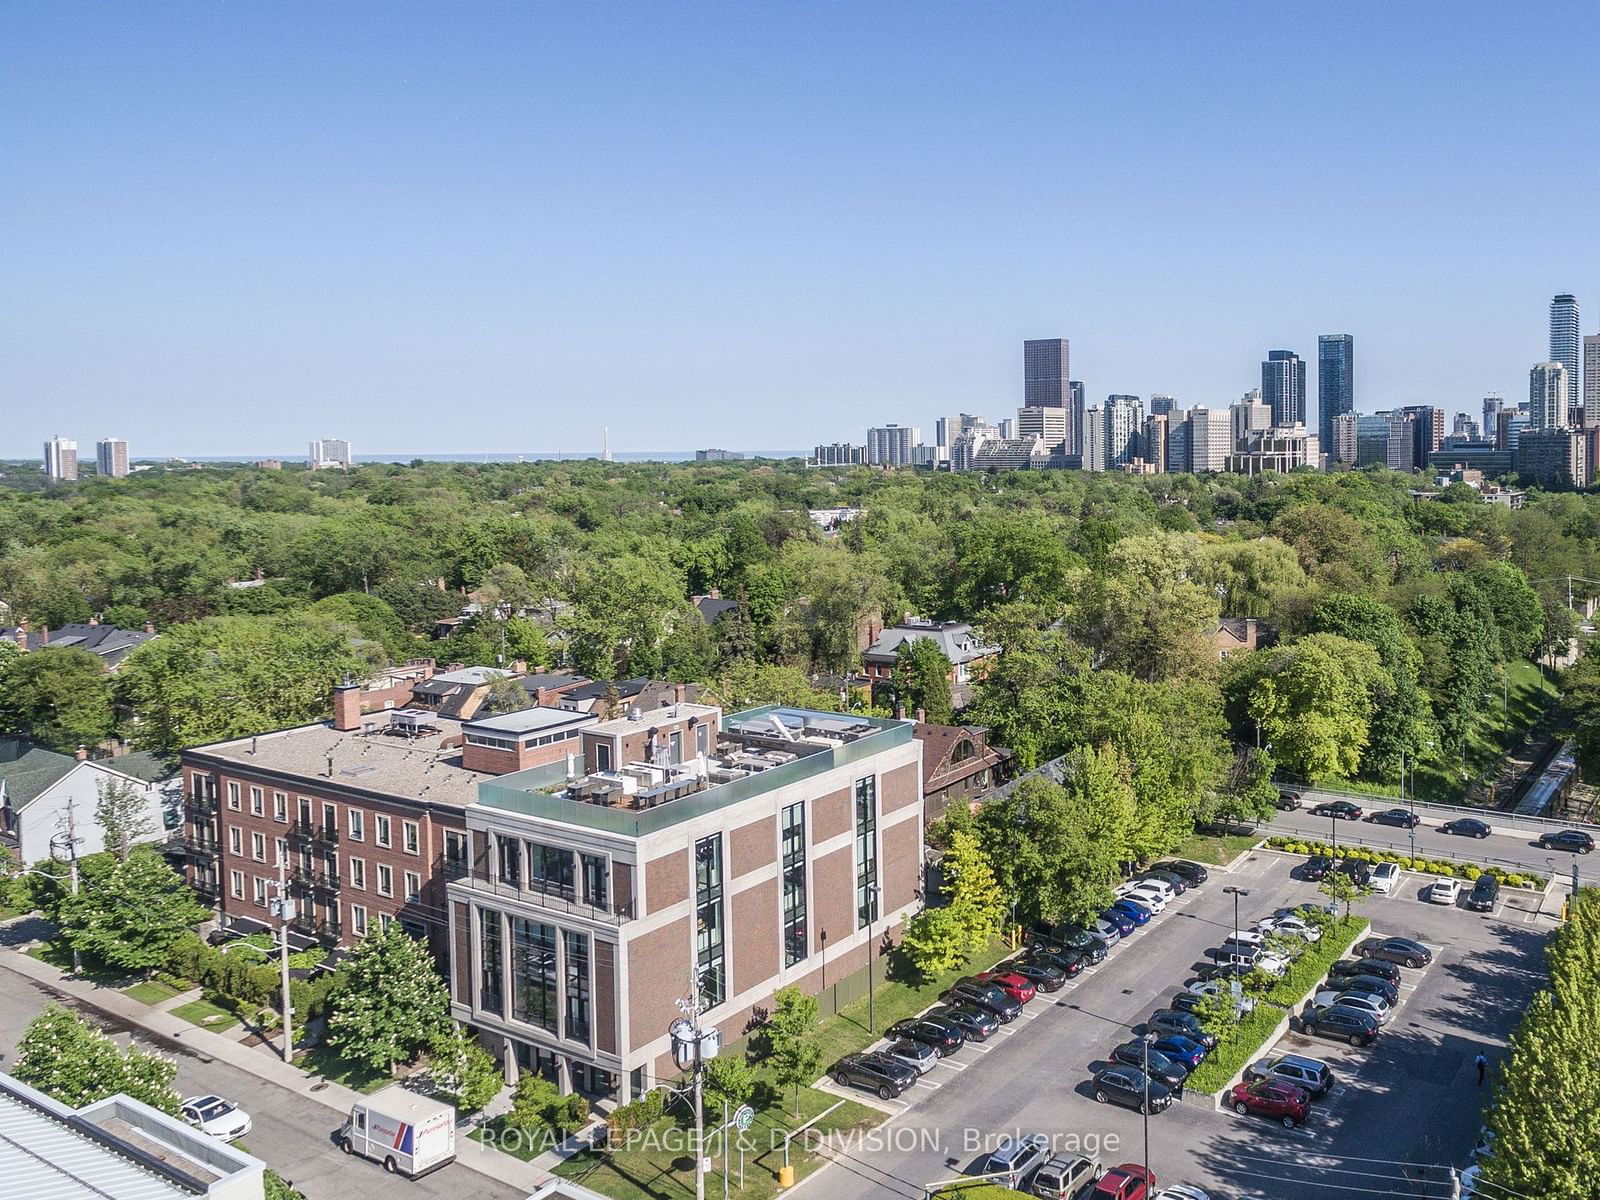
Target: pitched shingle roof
[27,770]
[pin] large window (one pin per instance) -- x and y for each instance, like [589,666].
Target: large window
[491,959]
[534,996]
[549,869]
[709,957]
[596,880]
[577,986]
[509,852]
[794,884]
[866,851]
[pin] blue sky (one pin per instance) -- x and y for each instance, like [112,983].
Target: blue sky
[228,228]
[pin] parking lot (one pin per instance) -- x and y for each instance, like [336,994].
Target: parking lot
[1409,1098]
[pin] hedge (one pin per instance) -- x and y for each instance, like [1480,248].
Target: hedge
[979,1190]
[1428,866]
[246,986]
[1240,1043]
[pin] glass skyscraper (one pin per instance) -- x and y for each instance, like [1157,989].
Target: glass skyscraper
[1336,391]
[1283,386]
[1566,344]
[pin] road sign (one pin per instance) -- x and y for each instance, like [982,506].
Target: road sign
[743,1118]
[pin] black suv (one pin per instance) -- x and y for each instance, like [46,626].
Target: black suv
[875,1072]
[1575,840]
[1350,968]
[975,1024]
[1162,1068]
[1170,1020]
[1193,872]
[1317,867]
[1346,1024]
[1068,962]
[986,996]
[1360,872]
[945,1037]
[1127,1086]
[1485,891]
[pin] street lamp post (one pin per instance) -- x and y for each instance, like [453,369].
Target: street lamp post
[1144,1040]
[1235,892]
[872,950]
[1411,803]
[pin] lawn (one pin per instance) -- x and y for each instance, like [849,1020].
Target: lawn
[151,991]
[1218,851]
[206,1015]
[327,1063]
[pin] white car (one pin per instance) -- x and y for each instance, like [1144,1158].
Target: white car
[1444,891]
[1293,926]
[221,1119]
[1216,987]
[1385,877]
[1156,885]
[1151,899]
[1373,1005]
[1273,964]
[1180,1191]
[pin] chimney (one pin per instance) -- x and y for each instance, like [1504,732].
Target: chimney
[679,692]
[330,766]
[94,620]
[149,627]
[519,666]
[922,716]
[715,593]
[44,635]
[346,706]
[899,712]
[83,754]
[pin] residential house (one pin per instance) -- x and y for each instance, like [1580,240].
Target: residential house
[731,856]
[109,643]
[967,652]
[42,792]
[958,765]
[1239,635]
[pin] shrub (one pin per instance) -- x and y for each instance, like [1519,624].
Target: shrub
[638,1114]
[1471,872]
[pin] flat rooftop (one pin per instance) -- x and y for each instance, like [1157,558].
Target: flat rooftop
[529,720]
[757,751]
[654,718]
[414,764]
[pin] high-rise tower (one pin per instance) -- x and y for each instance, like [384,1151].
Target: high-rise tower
[1045,373]
[1336,393]
[1283,386]
[1565,341]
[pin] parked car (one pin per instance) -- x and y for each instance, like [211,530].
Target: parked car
[1346,1024]
[1398,950]
[1575,840]
[1170,1020]
[1367,1002]
[1186,1001]
[1043,976]
[1065,1177]
[1444,891]
[1466,827]
[1134,911]
[1485,891]
[1147,883]
[1155,901]
[1016,986]
[1221,987]
[1124,923]
[216,1117]
[1181,1191]
[1180,1048]
[1059,958]
[1317,867]
[1275,1098]
[1293,926]
[1128,1087]
[946,1037]
[986,996]
[919,1056]
[1311,1074]
[976,1024]
[1192,871]
[1178,883]
[1288,801]
[1017,1156]
[1370,984]
[1108,931]
[1402,817]
[1219,969]
[1359,872]
[1168,1070]
[1382,968]
[1342,809]
[1385,876]
[889,1077]
[1088,943]
[1126,1182]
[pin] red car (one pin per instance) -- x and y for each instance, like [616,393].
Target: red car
[1273,1098]
[1015,986]
[1127,1182]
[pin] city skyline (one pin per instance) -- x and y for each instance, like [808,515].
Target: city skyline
[515,217]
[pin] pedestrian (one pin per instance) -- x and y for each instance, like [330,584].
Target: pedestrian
[1482,1064]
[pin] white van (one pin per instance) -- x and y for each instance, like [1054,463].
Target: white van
[409,1134]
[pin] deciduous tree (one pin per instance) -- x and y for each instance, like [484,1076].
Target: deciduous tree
[393,1003]
[132,915]
[59,696]
[791,1038]
[65,1057]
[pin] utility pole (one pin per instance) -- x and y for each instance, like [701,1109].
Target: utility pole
[691,1047]
[72,865]
[283,908]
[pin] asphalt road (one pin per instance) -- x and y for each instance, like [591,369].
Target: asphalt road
[1512,850]
[290,1134]
[1410,1098]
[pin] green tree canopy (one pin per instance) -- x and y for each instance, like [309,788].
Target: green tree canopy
[393,1003]
[70,1060]
[130,915]
[60,697]
[921,680]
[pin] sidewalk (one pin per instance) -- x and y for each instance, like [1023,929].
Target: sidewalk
[262,1061]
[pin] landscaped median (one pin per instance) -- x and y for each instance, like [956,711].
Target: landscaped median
[1241,1043]
[1427,866]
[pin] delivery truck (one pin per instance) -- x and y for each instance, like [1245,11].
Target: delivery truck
[409,1134]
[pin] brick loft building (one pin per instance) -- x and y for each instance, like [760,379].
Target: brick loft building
[735,855]
[365,812]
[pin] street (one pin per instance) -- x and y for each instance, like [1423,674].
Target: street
[1410,1098]
[290,1135]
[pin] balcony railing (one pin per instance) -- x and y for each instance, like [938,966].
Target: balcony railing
[323,929]
[201,810]
[195,846]
[319,878]
[450,868]
[302,832]
[556,899]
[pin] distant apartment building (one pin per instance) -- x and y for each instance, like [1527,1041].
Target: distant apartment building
[1336,389]
[892,445]
[1179,458]
[1249,416]
[1124,419]
[1492,405]
[1014,454]
[1155,442]
[330,452]
[1046,424]
[1547,396]
[839,454]
[111,457]
[1427,431]
[717,456]
[1210,438]
[688,853]
[1591,381]
[61,460]
[1372,439]
[1565,342]
[1076,406]
[1343,449]
[1465,427]
[1510,423]
[1161,404]
[1279,448]
[1046,368]
[1554,457]
[1094,439]
[1283,387]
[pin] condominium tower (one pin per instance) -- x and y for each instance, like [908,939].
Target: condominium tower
[1336,354]
[61,459]
[1565,341]
[1547,396]
[1283,386]
[111,457]
[1045,371]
